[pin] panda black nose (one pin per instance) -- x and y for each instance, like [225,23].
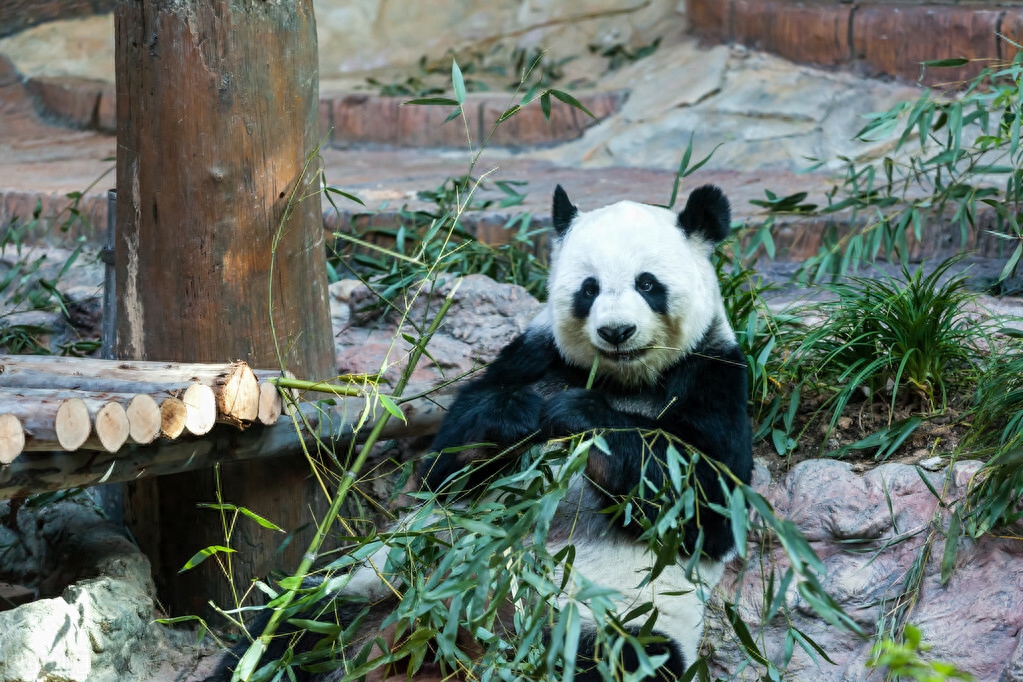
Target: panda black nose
[617,335]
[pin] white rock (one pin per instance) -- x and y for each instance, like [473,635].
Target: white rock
[43,641]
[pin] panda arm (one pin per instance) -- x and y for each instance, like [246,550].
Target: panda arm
[500,408]
[707,409]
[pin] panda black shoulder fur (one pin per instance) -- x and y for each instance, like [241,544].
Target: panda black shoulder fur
[634,285]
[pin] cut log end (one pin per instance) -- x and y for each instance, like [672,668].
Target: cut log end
[270,403]
[144,419]
[238,395]
[73,424]
[201,409]
[173,414]
[112,427]
[12,438]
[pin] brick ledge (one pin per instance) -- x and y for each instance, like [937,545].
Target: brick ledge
[883,39]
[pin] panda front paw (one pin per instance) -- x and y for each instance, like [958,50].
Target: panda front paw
[572,411]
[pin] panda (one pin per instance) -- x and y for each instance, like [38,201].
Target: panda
[632,291]
[635,312]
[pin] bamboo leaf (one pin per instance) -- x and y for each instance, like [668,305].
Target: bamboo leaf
[203,554]
[458,82]
[1010,265]
[740,521]
[948,558]
[433,101]
[346,195]
[392,407]
[260,520]
[941,63]
[571,101]
[509,113]
[745,638]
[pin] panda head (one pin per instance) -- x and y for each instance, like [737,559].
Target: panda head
[634,284]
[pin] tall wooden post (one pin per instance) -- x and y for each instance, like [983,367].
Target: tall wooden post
[216,118]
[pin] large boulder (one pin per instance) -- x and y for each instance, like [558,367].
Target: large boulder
[94,620]
[881,537]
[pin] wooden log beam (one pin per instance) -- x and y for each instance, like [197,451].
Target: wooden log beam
[234,385]
[69,420]
[37,472]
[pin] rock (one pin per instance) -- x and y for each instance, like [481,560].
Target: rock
[1014,669]
[99,628]
[671,77]
[115,615]
[484,317]
[869,551]
[43,641]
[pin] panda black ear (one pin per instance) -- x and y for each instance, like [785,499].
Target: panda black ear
[563,211]
[707,214]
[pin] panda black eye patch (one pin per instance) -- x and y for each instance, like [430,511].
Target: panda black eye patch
[584,297]
[653,292]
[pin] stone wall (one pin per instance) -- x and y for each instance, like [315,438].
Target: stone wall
[17,15]
[358,36]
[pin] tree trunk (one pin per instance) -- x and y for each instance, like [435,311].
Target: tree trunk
[217,117]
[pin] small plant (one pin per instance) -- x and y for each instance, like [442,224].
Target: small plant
[996,495]
[515,68]
[618,55]
[905,339]
[903,660]
[395,258]
[763,334]
[23,286]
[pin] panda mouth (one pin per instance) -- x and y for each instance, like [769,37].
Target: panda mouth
[622,355]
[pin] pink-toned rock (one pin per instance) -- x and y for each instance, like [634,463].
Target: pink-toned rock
[869,550]
[484,317]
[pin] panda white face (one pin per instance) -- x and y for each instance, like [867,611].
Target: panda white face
[631,285]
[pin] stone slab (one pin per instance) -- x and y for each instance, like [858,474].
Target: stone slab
[69,100]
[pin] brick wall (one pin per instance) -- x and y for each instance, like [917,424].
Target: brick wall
[884,38]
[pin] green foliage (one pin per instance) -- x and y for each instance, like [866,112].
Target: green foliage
[618,55]
[957,160]
[763,334]
[434,241]
[478,585]
[511,68]
[906,338]
[23,286]
[994,501]
[904,661]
